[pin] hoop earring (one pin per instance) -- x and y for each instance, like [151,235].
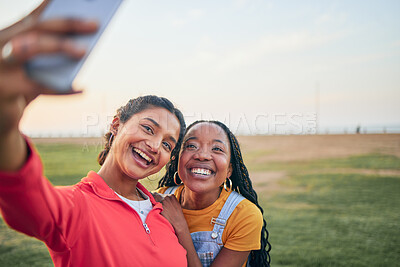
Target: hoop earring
[230,184]
[175,179]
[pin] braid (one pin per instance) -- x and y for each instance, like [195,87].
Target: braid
[245,188]
[241,183]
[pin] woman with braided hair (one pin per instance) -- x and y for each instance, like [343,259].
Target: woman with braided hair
[214,208]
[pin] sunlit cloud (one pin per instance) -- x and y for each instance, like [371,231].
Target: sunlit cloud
[256,51]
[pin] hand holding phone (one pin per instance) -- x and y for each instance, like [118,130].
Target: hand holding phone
[27,38]
[58,71]
[19,43]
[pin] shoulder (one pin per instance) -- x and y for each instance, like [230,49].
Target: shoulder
[243,228]
[244,207]
[245,214]
[247,211]
[247,206]
[176,190]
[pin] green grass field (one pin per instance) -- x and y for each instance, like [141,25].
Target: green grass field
[325,212]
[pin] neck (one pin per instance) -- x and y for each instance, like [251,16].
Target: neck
[196,201]
[118,181]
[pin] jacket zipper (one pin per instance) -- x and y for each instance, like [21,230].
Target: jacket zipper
[146,228]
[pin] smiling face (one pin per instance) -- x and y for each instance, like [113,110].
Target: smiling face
[144,143]
[204,161]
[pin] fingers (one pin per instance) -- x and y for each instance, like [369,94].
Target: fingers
[158,197]
[45,37]
[171,200]
[68,25]
[13,81]
[56,25]
[24,47]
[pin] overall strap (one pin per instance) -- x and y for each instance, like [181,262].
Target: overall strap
[171,190]
[226,211]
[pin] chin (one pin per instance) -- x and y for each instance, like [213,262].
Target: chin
[198,188]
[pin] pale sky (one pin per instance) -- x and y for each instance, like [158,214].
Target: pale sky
[257,63]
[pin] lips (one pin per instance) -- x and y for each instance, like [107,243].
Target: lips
[201,171]
[142,157]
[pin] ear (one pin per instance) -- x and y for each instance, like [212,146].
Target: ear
[114,126]
[230,170]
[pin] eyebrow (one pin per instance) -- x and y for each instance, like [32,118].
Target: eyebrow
[158,126]
[189,138]
[154,122]
[219,141]
[194,138]
[172,139]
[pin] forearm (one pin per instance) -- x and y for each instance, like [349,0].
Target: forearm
[13,149]
[30,204]
[185,240]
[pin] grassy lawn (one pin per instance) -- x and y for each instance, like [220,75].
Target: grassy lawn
[368,161]
[314,218]
[337,220]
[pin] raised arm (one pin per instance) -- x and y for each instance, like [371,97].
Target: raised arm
[18,43]
[28,202]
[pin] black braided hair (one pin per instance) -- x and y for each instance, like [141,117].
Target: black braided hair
[137,105]
[241,183]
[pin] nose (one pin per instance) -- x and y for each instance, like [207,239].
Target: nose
[154,145]
[202,155]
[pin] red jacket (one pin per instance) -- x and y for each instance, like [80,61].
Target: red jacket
[86,224]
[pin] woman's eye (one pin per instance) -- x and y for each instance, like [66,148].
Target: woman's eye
[218,149]
[148,129]
[167,146]
[190,146]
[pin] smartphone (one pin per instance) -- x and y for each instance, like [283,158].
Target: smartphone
[58,71]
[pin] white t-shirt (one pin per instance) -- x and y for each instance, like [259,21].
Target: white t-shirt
[142,207]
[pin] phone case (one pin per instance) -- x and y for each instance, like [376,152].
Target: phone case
[58,71]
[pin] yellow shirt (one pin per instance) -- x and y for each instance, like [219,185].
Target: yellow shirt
[243,228]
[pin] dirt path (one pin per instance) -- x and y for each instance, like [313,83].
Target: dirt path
[268,182]
[309,147]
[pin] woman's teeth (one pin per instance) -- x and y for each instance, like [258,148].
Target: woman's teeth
[201,171]
[142,154]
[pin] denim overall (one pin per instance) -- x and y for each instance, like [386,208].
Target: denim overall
[209,243]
